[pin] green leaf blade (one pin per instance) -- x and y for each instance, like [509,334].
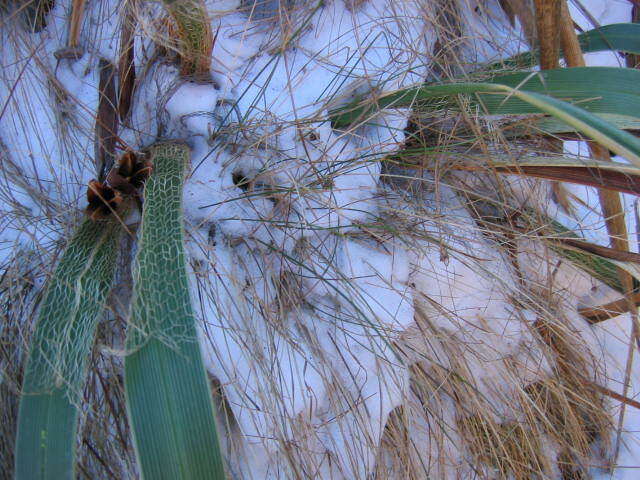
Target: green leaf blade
[168,395]
[622,37]
[595,89]
[56,367]
[506,95]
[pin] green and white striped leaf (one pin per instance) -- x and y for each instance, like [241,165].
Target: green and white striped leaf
[56,367]
[167,391]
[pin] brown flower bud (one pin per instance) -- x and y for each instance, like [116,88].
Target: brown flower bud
[103,200]
[130,174]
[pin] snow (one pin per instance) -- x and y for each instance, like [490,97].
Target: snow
[303,299]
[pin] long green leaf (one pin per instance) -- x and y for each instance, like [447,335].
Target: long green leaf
[622,37]
[55,371]
[167,392]
[606,90]
[552,125]
[501,98]
[596,89]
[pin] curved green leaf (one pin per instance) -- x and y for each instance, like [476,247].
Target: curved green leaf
[55,371]
[502,97]
[596,89]
[167,391]
[552,126]
[623,37]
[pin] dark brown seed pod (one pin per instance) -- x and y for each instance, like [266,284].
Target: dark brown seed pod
[103,200]
[130,173]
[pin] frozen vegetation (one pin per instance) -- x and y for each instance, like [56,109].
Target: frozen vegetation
[355,317]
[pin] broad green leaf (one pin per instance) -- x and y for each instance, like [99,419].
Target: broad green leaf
[623,37]
[56,367]
[603,90]
[595,89]
[167,391]
[502,97]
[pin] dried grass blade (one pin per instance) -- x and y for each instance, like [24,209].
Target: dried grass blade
[607,175]
[77,13]
[600,313]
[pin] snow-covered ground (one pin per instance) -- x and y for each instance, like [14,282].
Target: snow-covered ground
[309,273]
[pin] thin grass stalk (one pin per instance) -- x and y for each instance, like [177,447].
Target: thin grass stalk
[36,12]
[167,392]
[594,174]
[609,310]
[523,11]
[56,366]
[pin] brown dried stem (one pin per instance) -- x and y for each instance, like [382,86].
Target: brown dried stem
[126,68]
[547,16]
[77,12]
[106,129]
